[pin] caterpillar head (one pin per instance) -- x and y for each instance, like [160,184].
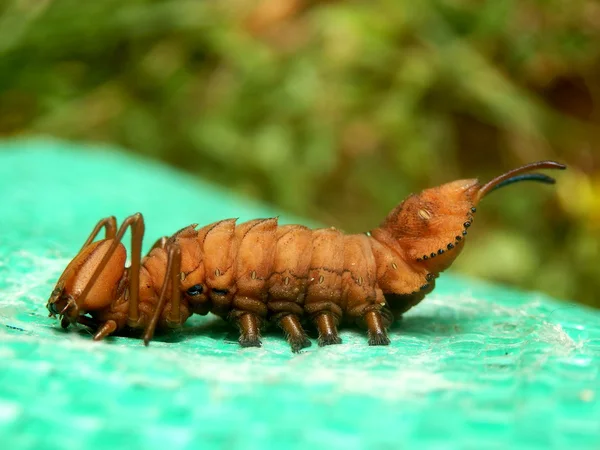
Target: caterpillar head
[81,287]
[431,227]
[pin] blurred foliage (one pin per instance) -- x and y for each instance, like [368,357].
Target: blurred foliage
[338,109]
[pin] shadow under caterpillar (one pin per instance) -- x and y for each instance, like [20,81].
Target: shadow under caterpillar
[257,272]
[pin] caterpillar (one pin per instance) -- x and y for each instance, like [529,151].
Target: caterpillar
[258,272]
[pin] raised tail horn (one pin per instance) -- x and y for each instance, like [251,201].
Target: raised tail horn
[520,174]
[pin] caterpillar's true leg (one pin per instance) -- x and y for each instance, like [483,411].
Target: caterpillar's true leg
[328,333]
[136,222]
[249,325]
[376,328]
[106,329]
[294,332]
[171,280]
[160,243]
[110,226]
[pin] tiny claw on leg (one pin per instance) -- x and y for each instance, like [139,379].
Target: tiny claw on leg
[294,332]
[328,334]
[70,304]
[106,329]
[249,331]
[376,330]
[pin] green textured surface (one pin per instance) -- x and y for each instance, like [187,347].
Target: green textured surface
[474,366]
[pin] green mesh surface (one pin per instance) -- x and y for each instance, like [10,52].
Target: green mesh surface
[472,367]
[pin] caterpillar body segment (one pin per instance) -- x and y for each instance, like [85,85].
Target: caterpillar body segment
[258,273]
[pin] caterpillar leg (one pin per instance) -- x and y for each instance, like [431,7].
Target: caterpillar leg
[296,336]
[71,312]
[106,329]
[136,223]
[285,312]
[110,229]
[249,325]
[161,243]
[376,328]
[368,309]
[328,333]
[249,315]
[171,281]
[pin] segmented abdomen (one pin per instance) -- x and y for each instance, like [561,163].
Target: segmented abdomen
[272,270]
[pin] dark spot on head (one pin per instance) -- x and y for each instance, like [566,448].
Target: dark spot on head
[430,277]
[425,257]
[458,238]
[467,224]
[432,255]
[464,232]
[195,290]
[473,210]
[450,246]
[441,251]
[425,286]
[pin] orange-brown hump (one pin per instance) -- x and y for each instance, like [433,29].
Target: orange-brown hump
[192,258]
[256,241]
[154,265]
[430,227]
[359,276]
[293,254]
[81,269]
[219,254]
[324,288]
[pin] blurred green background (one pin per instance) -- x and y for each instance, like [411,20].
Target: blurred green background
[336,110]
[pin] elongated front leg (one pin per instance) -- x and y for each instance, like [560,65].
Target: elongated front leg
[96,280]
[161,243]
[136,222]
[172,281]
[70,312]
[116,320]
[110,229]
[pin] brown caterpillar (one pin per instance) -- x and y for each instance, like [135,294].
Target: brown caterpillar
[258,272]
